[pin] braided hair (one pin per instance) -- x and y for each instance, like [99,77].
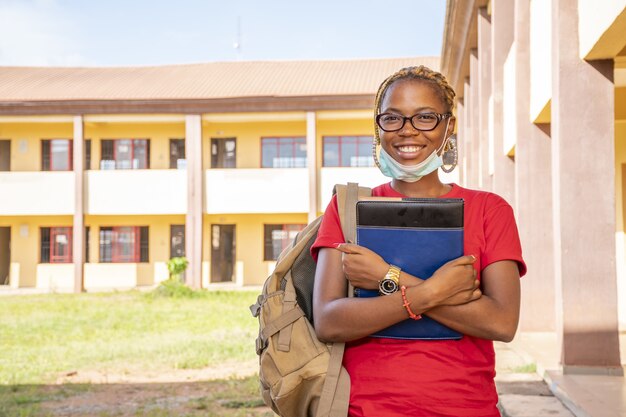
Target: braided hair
[421,73]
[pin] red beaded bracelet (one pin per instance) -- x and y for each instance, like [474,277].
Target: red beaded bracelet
[407,305]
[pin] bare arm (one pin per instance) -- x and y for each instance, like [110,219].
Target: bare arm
[493,316]
[338,318]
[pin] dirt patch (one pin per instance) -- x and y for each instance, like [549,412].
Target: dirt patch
[230,390]
[130,375]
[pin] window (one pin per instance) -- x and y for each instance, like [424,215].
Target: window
[277,237]
[87,154]
[56,245]
[223,154]
[177,154]
[283,152]
[5,155]
[124,244]
[177,240]
[125,154]
[348,151]
[56,155]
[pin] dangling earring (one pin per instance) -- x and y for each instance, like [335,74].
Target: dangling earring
[450,155]
[375,143]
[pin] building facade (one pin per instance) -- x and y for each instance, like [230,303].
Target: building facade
[542,122]
[107,173]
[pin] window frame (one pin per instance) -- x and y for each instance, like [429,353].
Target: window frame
[46,147]
[278,139]
[140,251]
[268,241]
[133,144]
[359,139]
[48,254]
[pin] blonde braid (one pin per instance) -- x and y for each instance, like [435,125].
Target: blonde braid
[434,78]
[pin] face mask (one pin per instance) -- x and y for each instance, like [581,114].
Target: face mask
[411,173]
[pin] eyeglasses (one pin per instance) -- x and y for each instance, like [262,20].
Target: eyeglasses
[424,122]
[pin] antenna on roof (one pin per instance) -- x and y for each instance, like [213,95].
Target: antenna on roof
[237,43]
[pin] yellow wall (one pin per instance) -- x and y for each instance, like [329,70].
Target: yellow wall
[251,267]
[26,141]
[158,133]
[249,241]
[158,238]
[355,127]
[25,245]
[248,135]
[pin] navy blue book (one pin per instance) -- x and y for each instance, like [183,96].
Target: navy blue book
[419,235]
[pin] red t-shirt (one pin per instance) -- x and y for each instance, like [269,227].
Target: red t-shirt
[391,377]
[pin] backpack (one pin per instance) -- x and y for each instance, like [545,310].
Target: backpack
[299,375]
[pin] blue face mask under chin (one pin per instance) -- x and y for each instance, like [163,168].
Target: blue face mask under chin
[411,173]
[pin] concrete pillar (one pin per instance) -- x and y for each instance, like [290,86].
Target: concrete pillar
[583,186]
[533,187]
[484,95]
[473,108]
[501,41]
[193,218]
[460,130]
[467,150]
[78,225]
[311,161]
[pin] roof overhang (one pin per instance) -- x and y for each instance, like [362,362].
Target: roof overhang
[460,36]
[192,106]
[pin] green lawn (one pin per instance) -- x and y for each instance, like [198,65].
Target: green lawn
[44,337]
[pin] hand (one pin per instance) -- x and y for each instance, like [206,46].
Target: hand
[361,266]
[455,282]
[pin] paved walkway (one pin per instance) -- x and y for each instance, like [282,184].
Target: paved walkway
[547,392]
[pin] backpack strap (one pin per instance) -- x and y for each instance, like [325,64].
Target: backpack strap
[335,396]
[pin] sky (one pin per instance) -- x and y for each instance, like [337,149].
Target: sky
[159,32]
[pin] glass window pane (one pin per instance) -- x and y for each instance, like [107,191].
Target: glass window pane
[269,152]
[140,154]
[348,152]
[123,154]
[365,152]
[331,152]
[285,153]
[60,155]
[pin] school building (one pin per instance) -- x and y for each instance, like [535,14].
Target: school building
[542,122]
[107,173]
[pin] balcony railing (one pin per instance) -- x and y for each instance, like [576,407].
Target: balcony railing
[267,190]
[141,191]
[36,193]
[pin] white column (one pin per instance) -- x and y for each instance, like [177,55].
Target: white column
[311,160]
[193,218]
[78,227]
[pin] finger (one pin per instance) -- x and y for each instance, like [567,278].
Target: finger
[347,247]
[465,260]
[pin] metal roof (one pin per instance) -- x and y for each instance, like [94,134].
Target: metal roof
[218,80]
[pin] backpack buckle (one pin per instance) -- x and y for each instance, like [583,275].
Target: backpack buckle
[256,307]
[260,345]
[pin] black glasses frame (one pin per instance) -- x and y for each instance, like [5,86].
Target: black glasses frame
[440,117]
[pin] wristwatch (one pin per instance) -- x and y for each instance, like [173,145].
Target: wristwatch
[389,284]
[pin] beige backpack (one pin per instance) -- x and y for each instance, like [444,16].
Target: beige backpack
[299,375]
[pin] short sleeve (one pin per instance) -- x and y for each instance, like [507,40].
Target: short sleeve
[502,240]
[329,233]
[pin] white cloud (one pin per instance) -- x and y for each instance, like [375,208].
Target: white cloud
[38,33]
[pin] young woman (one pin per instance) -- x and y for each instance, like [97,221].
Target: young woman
[477,294]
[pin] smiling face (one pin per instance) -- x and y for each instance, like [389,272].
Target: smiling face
[408,97]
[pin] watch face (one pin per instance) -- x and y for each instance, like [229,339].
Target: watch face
[388,286]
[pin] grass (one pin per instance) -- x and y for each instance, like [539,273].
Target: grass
[44,337]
